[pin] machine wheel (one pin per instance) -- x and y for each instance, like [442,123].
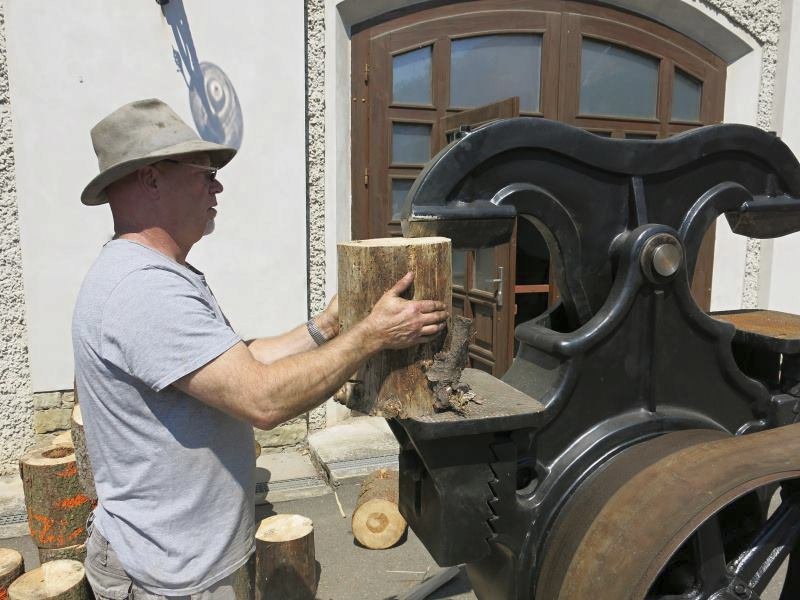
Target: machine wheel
[681,517]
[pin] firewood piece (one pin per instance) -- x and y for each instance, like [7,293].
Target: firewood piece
[76,552]
[285,565]
[11,566]
[57,580]
[377,522]
[85,473]
[393,382]
[57,505]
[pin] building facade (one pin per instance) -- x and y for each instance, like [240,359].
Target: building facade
[301,88]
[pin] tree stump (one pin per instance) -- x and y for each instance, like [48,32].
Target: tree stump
[285,565]
[57,580]
[57,505]
[11,567]
[377,522]
[76,552]
[85,473]
[394,383]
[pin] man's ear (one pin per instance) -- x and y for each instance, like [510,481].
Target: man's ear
[149,180]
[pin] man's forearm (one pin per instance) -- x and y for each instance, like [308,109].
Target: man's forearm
[270,349]
[295,384]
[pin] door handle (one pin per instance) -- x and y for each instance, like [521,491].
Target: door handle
[500,284]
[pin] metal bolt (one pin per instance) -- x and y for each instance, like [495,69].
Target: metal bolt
[739,589]
[666,259]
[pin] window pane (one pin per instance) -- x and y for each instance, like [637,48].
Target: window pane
[485,270]
[411,77]
[640,136]
[686,93]
[400,189]
[489,68]
[411,143]
[617,81]
[460,267]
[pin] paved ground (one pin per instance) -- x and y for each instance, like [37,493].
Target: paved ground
[349,571]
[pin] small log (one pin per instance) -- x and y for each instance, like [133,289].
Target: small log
[377,522]
[242,582]
[85,473]
[57,580]
[393,383]
[57,505]
[285,565]
[11,567]
[76,552]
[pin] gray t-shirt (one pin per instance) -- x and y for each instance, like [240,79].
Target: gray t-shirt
[174,476]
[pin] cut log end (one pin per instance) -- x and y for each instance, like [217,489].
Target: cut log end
[377,522]
[284,528]
[56,580]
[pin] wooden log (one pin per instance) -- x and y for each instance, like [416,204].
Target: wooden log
[377,522]
[285,565]
[243,581]
[57,580]
[11,567]
[394,383]
[57,505]
[85,473]
[75,552]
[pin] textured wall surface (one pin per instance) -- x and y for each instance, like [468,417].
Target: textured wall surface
[16,402]
[762,20]
[315,166]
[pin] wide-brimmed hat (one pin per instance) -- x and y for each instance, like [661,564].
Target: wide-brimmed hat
[139,134]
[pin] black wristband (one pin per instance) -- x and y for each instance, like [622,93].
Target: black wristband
[315,333]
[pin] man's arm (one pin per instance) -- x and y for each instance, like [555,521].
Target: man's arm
[269,394]
[268,350]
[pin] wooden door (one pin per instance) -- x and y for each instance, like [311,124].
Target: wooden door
[483,279]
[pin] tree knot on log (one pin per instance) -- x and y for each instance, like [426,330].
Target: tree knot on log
[444,371]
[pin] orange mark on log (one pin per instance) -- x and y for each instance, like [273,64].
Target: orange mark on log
[71,537]
[70,471]
[73,502]
[3,593]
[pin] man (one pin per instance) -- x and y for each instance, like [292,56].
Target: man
[169,392]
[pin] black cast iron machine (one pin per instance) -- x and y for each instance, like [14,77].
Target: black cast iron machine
[632,449]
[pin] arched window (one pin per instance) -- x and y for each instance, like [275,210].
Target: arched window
[601,69]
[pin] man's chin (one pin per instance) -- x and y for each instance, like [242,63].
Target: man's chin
[209,227]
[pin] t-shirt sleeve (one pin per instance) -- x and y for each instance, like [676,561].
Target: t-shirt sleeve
[157,327]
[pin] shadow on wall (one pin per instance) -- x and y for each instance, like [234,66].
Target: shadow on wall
[215,106]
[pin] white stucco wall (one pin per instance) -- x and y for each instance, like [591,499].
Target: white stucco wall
[71,64]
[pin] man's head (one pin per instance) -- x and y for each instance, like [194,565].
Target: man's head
[154,170]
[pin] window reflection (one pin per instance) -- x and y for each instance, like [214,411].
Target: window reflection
[686,94]
[411,143]
[617,81]
[488,68]
[411,77]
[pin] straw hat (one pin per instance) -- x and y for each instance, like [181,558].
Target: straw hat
[139,134]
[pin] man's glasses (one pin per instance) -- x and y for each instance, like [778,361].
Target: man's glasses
[211,172]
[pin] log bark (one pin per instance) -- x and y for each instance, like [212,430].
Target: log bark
[243,581]
[56,503]
[377,522]
[85,473]
[57,580]
[75,552]
[11,567]
[393,383]
[285,565]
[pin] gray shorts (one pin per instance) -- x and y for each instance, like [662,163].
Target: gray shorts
[109,580]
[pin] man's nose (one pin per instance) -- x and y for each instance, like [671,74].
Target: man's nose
[216,186]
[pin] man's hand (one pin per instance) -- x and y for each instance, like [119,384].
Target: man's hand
[400,323]
[328,319]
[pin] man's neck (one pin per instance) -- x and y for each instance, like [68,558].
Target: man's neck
[158,240]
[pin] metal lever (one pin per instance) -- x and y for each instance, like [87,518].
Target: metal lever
[499,281]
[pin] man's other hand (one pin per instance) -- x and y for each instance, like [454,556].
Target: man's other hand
[400,323]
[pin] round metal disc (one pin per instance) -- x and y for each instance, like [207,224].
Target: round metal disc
[622,526]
